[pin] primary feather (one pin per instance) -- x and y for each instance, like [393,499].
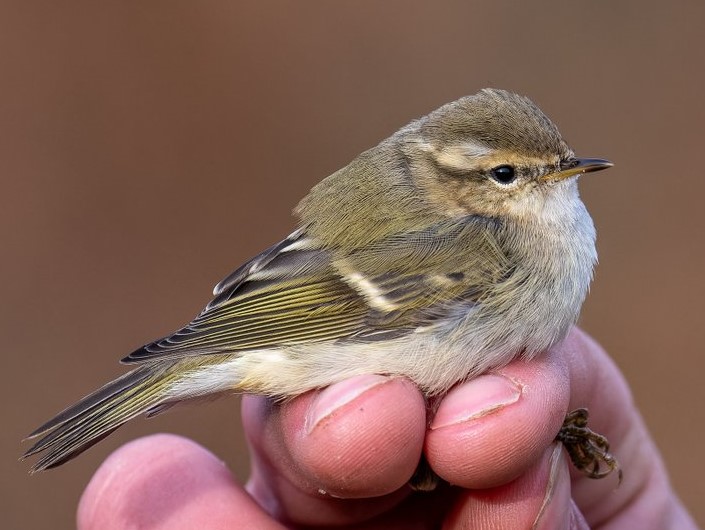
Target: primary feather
[409,261]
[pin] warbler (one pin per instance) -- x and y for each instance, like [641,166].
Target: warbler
[451,248]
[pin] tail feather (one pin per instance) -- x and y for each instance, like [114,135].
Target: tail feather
[101,395]
[94,417]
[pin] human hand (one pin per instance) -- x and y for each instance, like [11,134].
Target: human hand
[342,457]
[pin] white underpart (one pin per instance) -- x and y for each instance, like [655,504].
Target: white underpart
[553,207]
[556,265]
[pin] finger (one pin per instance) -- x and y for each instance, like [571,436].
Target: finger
[538,499]
[577,520]
[645,499]
[490,430]
[169,482]
[357,439]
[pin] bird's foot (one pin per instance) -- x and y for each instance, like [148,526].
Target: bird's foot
[588,450]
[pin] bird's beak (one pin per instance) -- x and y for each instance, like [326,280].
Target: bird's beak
[577,166]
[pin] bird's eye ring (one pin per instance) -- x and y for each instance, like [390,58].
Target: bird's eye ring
[504,174]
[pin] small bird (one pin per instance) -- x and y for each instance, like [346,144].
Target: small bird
[451,248]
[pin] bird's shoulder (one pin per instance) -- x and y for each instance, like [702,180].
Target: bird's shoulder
[301,290]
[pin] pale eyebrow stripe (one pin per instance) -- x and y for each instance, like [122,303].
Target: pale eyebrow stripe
[457,156]
[474,149]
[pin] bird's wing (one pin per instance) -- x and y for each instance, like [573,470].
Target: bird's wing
[298,292]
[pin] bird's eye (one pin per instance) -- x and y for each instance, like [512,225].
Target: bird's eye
[504,174]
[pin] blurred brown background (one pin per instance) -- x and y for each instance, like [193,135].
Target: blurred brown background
[148,148]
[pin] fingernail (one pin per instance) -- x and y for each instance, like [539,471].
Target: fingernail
[338,395]
[555,508]
[479,397]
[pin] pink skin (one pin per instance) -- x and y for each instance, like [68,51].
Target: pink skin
[341,458]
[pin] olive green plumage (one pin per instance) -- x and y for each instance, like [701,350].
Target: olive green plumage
[452,247]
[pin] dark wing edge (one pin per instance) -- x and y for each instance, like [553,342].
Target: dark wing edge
[233,279]
[298,292]
[288,294]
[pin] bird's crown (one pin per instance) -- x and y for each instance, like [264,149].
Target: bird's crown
[498,120]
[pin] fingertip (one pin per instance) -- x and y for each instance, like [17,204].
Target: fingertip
[164,481]
[504,420]
[333,401]
[365,446]
[484,396]
[362,437]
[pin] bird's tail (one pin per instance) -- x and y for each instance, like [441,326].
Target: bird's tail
[93,418]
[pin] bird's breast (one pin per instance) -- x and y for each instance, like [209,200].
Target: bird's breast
[529,309]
